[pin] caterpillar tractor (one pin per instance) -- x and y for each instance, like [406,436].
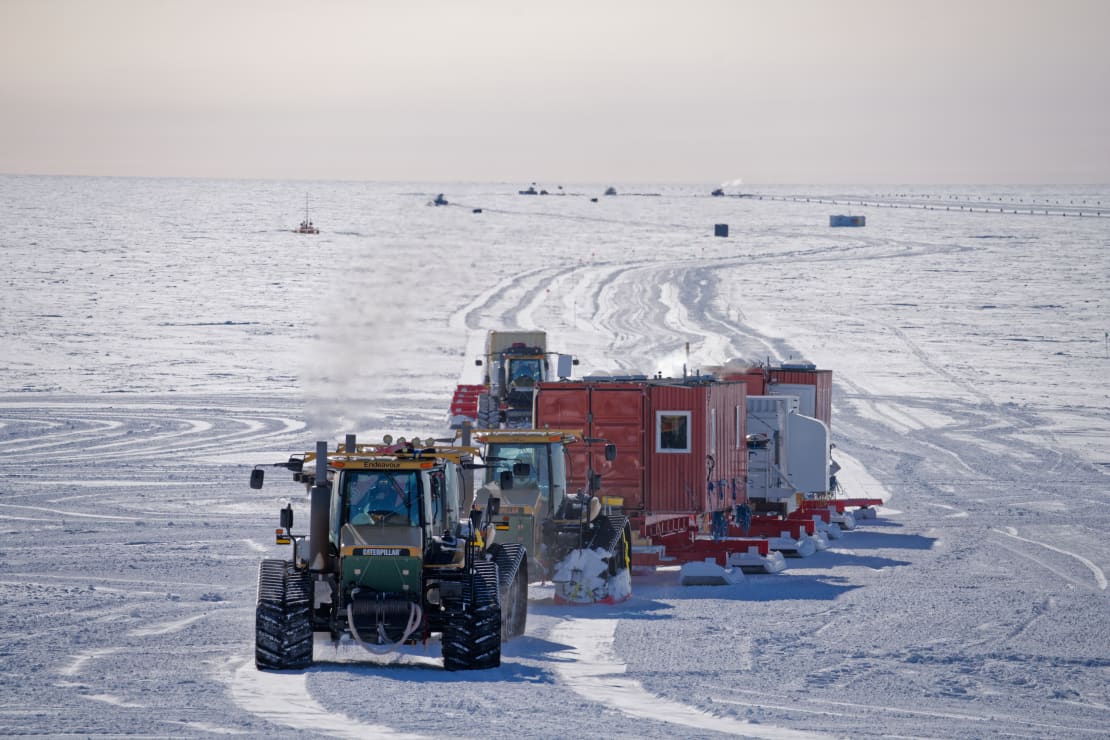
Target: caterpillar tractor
[390,559]
[579,543]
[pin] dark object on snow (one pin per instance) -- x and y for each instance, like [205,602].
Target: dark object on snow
[720,229]
[841,220]
[610,191]
[718,192]
[440,200]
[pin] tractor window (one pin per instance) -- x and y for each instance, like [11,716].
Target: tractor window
[437,483]
[388,498]
[524,372]
[507,455]
[559,475]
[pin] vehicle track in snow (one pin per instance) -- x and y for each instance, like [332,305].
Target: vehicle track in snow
[283,699]
[595,672]
[1097,572]
[81,431]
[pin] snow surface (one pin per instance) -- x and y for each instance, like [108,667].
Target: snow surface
[162,336]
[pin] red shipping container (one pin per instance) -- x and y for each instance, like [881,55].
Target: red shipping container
[680,446]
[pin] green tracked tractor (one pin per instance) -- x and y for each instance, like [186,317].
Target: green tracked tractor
[390,559]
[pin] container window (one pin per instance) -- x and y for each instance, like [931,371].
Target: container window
[672,431]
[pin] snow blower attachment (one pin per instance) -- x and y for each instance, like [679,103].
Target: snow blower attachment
[592,553]
[390,559]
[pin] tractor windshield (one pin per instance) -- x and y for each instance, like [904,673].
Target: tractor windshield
[388,498]
[524,372]
[504,456]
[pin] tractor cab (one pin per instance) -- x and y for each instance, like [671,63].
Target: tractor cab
[396,504]
[527,468]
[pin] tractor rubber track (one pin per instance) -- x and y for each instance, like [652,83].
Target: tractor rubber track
[512,573]
[472,635]
[283,617]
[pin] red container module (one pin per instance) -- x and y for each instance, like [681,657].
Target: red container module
[680,443]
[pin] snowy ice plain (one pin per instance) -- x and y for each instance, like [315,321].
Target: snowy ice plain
[162,336]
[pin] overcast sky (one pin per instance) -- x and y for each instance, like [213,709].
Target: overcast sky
[698,91]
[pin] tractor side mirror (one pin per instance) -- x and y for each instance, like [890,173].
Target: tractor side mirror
[493,506]
[287,517]
[505,479]
[610,452]
[256,478]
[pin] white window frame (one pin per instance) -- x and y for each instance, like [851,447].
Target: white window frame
[659,432]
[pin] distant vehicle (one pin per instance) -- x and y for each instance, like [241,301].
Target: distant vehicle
[440,200]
